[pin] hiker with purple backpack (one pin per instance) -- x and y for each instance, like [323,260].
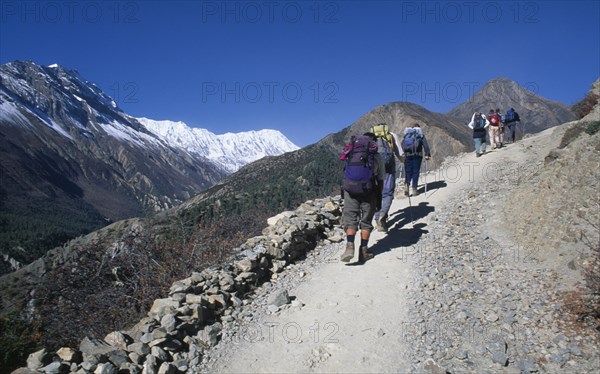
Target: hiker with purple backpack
[361,189]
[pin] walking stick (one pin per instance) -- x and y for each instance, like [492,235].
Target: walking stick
[426,172]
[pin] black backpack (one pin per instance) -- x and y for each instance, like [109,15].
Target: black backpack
[478,122]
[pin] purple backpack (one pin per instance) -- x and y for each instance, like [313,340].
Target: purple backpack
[360,159]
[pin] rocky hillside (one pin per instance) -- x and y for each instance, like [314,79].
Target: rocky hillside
[72,161]
[537,113]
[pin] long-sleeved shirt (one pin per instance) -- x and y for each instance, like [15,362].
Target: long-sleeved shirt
[479,133]
[423,150]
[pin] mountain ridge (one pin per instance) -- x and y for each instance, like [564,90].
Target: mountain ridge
[229,150]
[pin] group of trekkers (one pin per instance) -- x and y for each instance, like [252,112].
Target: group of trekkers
[497,125]
[370,171]
[370,180]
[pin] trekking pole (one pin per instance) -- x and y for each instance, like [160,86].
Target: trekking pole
[425,177]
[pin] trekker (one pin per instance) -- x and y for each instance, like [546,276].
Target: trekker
[479,125]
[495,129]
[501,118]
[510,119]
[361,188]
[414,147]
[387,147]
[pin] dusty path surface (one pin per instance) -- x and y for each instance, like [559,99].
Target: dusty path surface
[354,318]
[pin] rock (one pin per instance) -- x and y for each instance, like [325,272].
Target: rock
[167,368]
[69,354]
[245,265]
[106,368]
[217,301]
[279,298]
[210,334]
[168,322]
[150,365]
[273,308]
[118,339]
[25,371]
[527,366]
[141,349]
[159,353]
[130,368]
[500,358]
[162,306]
[95,347]
[249,277]
[431,367]
[181,365]
[118,358]
[38,359]
[193,299]
[491,317]
[56,367]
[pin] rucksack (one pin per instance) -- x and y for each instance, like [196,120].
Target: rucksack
[359,155]
[510,116]
[478,122]
[412,141]
[494,119]
[385,145]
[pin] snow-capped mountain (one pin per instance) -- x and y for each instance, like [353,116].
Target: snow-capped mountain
[230,150]
[71,160]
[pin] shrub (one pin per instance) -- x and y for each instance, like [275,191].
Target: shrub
[18,337]
[593,127]
[586,105]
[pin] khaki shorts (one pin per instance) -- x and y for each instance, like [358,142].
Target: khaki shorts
[358,211]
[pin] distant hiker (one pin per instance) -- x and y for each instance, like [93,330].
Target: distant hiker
[495,129]
[479,125]
[361,188]
[387,147]
[502,125]
[510,119]
[414,147]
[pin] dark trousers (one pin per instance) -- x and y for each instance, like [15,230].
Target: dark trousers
[412,165]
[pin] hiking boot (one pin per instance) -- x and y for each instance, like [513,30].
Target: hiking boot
[381,225]
[415,192]
[348,253]
[364,254]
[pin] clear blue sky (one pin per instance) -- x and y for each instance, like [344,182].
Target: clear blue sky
[306,68]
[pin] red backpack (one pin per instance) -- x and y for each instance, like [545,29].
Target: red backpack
[495,119]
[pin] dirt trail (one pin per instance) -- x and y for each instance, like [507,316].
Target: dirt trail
[351,318]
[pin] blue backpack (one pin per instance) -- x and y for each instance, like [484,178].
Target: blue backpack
[359,155]
[511,116]
[412,141]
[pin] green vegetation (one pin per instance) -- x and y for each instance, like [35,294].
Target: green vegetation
[31,227]
[593,127]
[17,338]
[270,187]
